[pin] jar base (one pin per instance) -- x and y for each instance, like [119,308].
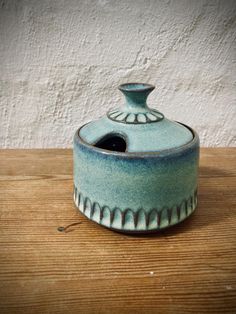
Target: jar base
[134,222]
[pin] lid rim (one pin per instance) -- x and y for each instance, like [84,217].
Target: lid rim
[161,153]
[146,87]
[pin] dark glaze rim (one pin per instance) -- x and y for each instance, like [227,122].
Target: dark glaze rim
[161,153]
[146,87]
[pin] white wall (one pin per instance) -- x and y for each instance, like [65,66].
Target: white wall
[61,63]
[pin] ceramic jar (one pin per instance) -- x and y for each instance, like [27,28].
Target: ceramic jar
[134,169]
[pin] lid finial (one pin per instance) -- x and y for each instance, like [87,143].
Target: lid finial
[135,110]
[136,94]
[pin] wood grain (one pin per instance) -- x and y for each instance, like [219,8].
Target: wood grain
[190,268]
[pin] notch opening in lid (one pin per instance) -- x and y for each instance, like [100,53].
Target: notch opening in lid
[113,141]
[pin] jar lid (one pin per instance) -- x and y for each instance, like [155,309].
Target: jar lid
[134,127]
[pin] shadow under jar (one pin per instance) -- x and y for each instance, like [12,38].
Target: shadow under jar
[134,169]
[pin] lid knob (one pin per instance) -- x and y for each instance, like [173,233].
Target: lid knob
[135,110]
[136,95]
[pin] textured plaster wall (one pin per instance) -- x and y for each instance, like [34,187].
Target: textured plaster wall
[61,63]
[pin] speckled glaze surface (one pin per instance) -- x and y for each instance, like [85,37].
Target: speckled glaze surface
[148,184]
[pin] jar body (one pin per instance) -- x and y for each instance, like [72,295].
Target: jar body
[133,192]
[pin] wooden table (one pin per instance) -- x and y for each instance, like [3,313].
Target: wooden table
[190,268]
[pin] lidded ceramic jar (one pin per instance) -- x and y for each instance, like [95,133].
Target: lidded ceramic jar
[134,169]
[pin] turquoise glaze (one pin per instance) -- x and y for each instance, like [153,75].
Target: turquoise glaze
[135,170]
